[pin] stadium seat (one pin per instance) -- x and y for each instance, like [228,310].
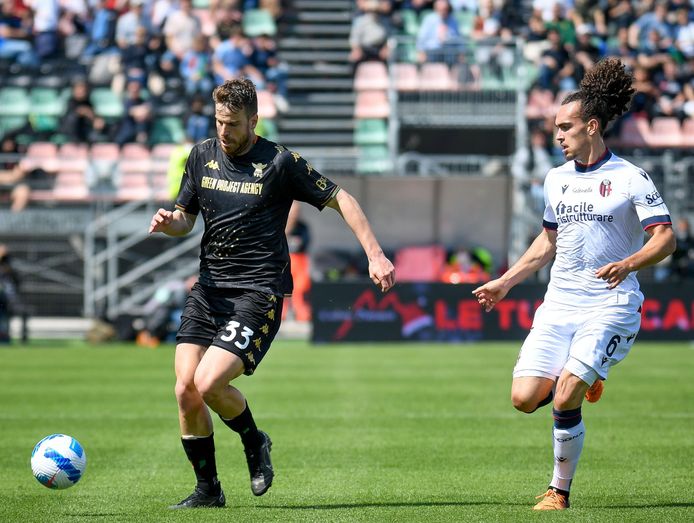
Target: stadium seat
[106,103]
[540,104]
[410,22]
[665,132]
[73,157]
[435,77]
[168,129]
[70,186]
[14,101]
[634,132]
[373,159]
[134,151]
[420,264]
[371,104]
[105,151]
[406,76]
[466,21]
[11,123]
[258,22]
[371,131]
[688,132]
[47,101]
[41,155]
[371,76]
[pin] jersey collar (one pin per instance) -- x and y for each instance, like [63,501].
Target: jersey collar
[590,167]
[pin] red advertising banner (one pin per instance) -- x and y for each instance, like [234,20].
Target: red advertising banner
[349,312]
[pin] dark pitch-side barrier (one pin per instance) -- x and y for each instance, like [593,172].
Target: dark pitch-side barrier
[355,312]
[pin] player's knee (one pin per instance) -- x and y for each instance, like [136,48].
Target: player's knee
[523,402]
[207,389]
[186,394]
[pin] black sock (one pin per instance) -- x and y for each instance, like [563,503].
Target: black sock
[245,426]
[564,493]
[200,452]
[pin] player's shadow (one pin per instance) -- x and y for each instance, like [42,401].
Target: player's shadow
[646,505]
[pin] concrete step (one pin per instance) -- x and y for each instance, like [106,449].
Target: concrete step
[313,43]
[323,5]
[322,110]
[336,30]
[317,138]
[314,70]
[315,124]
[320,84]
[334,15]
[316,55]
[332,98]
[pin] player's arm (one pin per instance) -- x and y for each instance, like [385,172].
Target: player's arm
[381,270]
[539,254]
[659,246]
[172,223]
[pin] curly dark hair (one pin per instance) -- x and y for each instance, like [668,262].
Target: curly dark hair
[237,94]
[605,92]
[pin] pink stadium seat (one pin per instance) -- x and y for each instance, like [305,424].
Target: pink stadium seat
[162,151]
[134,151]
[688,132]
[421,264]
[73,150]
[40,155]
[371,76]
[540,104]
[371,104]
[436,77]
[70,186]
[105,151]
[665,132]
[634,132]
[266,105]
[406,77]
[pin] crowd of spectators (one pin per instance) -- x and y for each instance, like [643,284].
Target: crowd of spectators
[151,53]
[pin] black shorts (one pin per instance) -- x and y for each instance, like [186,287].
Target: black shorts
[242,321]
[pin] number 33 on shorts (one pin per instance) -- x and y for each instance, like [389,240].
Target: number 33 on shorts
[232,330]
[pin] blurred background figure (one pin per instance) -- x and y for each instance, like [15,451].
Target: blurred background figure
[298,239]
[10,303]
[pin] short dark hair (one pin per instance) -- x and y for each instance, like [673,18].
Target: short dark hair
[605,92]
[237,94]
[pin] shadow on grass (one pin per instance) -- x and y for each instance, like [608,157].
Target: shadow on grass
[394,504]
[644,505]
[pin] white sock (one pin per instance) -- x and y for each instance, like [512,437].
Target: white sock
[568,444]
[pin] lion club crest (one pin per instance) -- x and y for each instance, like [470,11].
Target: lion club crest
[605,188]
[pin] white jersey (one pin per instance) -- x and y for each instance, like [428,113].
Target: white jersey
[600,212]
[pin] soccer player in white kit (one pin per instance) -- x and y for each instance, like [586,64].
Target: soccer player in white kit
[597,206]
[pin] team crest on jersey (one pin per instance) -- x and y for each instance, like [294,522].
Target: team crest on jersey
[322,183]
[564,187]
[605,188]
[258,169]
[212,164]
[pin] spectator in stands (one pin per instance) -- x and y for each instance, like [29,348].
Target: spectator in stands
[181,28]
[529,168]
[563,25]
[15,36]
[196,69]
[102,36]
[684,33]
[13,184]
[45,30]
[553,62]
[417,5]
[134,57]
[10,302]
[227,14]
[137,116]
[670,84]
[129,22]
[159,12]
[79,122]
[655,20]
[438,39]
[273,71]
[646,95]
[197,123]
[619,46]
[368,36]
[682,260]
[620,13]
[232,57]
[298,239]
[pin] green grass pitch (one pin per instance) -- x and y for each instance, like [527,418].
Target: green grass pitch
[361,433]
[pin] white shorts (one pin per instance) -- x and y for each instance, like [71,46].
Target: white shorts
[579,341]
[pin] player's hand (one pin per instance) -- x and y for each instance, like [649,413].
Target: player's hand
[382,272]
[161,219]
[490,294]
[613,273]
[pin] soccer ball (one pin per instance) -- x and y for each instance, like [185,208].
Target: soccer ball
[58,461]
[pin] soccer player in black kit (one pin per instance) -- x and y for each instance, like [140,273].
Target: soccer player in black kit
[244,187]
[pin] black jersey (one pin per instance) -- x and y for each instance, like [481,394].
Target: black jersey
[245,202]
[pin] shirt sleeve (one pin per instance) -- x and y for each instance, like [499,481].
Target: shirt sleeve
[305,183]
[187,200]
[648,202]
[549,219]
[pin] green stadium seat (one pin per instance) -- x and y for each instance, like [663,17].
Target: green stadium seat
[267,128]
[47,101]
[410,22]
[14,101]
[168,129]
[373,159]
[466,20]
[201,4]
[371,131]
[107,104]
[11,123]
[258,22]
